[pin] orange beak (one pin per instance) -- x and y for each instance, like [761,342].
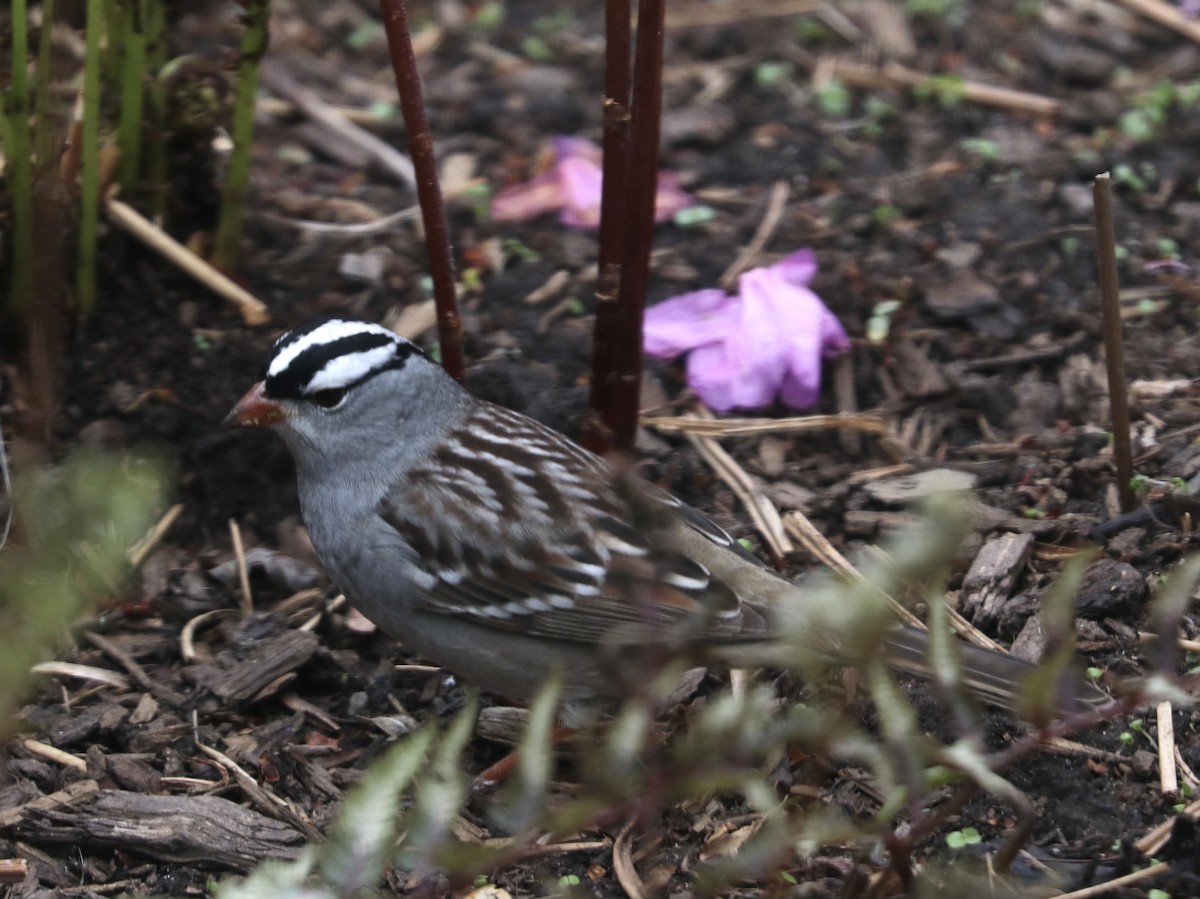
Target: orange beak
[254,411]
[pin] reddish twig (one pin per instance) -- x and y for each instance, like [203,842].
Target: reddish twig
[429,191]
[597,431]
[621,383]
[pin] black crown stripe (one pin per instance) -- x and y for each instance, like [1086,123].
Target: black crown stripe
[291,383]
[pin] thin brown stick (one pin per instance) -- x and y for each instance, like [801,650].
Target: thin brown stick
[1168,776]
[1114,344]
[254,311]
[1165,14]
[857,74]
[239,552]
[429,191]
[770,221]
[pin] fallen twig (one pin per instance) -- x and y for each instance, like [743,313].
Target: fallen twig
[254,311]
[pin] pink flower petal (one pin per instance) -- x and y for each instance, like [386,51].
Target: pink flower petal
[797,269]
[576,148]
[670,197]
[540,194]
[580,182]
[687,321]
[573,186]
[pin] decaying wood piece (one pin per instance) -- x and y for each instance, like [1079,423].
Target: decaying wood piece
[273,657]
[75,792]
[188,829]
[989,583]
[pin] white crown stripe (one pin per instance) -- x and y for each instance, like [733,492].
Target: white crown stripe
[346,370]
[326,333]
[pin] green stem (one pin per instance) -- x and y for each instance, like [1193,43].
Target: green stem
[16,147]
[156,143]
[129,129]
[89,147]
[229,226]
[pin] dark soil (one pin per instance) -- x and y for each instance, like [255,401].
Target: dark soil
[977,219]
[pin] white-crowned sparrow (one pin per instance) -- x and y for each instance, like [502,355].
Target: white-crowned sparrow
[499,549]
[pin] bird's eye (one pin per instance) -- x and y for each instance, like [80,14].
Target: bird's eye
[328,399]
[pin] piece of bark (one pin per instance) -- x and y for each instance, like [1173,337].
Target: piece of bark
[993,574]
[183,829]
[273,657]
[78,791]
[1110,589]
[916,373]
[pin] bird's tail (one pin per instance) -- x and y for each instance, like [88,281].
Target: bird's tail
[996,678]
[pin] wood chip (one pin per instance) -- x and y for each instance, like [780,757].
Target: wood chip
[182,829]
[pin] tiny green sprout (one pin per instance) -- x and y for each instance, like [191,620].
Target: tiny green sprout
[1030,10]
[833,98]
[880,109]
[1178,807]
[788,878]
[1187,95]
[489,17]
[1124,175]
[810,31]
[746,542]
[885,214]
[1146,307]
[1156,893]
[949,11]
[368,34]
[481,881]
[515,249]
[947,90]
[1138,725]
[569,880]
[879,325]
[1126,737]
[555,22]
[1069,245]
[479,198]
[1138,481]
[960,839]
[770,73]
[981,148]
[201,342]
[435,352]
[1167,248]
[1138,125]
[536,49]
[1185,790]
[1094,674]
[575,306]
[472,279]
[383,110]
[1033,513]
[694,216]
[1179,486]
[1122,254]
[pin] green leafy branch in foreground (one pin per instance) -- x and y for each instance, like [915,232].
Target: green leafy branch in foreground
[729,749]
[75,524]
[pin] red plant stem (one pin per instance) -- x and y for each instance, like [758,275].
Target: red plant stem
[623,382]
[429,191]
[606,340]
